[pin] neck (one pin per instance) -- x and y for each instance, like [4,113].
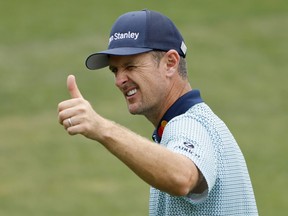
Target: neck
[174,94]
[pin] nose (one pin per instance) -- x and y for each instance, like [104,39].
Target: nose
[120,78]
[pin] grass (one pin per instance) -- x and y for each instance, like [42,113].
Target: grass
[236,54]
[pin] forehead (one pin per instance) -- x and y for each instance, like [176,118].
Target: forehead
[130,59]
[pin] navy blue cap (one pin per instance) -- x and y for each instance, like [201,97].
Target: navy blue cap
[139,32]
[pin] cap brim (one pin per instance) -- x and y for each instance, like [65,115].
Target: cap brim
[100,60]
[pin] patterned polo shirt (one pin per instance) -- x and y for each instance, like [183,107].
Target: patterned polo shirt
[190,128]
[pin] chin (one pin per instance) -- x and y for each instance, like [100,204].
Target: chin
[134,110]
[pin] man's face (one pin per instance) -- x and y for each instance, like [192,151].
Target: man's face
[142,82]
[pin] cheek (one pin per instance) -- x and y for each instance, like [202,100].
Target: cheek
[155,90]
[152,82]
[152,77]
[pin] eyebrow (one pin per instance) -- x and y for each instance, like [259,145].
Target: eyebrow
[130,62]
[125,64]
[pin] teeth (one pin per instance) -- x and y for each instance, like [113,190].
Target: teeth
[131,92]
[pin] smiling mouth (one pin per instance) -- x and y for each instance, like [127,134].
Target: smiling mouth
[131,92]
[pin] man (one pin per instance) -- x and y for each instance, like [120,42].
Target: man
[197,168]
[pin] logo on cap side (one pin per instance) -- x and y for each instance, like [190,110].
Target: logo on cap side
[183,48]
[125,35]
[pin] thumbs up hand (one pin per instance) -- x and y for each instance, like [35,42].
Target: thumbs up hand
[77,115]
[73,88]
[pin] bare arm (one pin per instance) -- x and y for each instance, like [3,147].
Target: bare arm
[156,165]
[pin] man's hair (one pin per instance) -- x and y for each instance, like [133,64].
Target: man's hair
[182,68]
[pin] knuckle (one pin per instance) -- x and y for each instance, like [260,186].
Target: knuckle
[71,131]
[59,107]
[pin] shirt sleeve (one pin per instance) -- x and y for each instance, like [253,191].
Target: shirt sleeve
[190,138]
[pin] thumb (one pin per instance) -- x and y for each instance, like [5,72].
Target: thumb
[72,87]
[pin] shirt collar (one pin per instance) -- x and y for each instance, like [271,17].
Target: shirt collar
[180,106]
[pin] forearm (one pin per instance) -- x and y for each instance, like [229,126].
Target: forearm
[156,165]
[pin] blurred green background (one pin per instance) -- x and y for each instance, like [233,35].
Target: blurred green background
[237,57]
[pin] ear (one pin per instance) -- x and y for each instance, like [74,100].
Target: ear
[172,61]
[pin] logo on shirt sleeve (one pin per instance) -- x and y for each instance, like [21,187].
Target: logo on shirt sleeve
[188,145]
[189,148]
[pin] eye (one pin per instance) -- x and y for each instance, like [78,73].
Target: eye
[113,69]
[130,67]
